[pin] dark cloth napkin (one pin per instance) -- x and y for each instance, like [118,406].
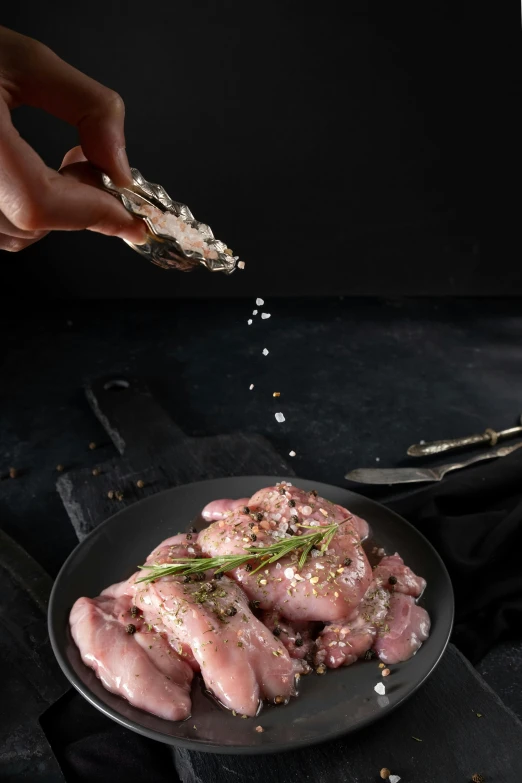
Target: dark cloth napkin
[474,520]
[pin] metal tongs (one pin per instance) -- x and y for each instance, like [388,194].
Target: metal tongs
[162,248]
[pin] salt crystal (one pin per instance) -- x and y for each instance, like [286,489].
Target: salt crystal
[318,565]
[190,550]
[260,302]
[264,316]
[227,539]
[394,778]
[316,553]
[278,566]
[289,573]
[377,459]
[251,386]
[265,351]
[254,312]
[292,453]
[422,442]
[240,264]
[280,418]
[380,689]
[249,322]
[306,511]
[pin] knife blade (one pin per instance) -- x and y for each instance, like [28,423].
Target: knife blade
[412,475]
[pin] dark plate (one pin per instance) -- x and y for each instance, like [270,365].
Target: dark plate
[328,706]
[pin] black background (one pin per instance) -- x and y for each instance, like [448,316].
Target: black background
[338,150]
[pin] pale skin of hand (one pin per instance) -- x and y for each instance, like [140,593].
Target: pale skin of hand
[35,199]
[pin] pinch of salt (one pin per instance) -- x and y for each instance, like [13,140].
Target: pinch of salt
[260,302]
[264,316]
[289,573]
[291,453]
[249,322]
[251,386]
[265,351]
[380,689]
[280,418]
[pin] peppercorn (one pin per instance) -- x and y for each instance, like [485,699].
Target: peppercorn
[255,604]
[192,529]
[189,536]
[130,628]
[291,503]
[140,483]
[246,510]
[368,655]
[200,577]
[230,611]
[294,518]
[59,468]
[92,446]
[187,578]
[13,473]
[282,490]
[476,778]
[299,642]
[321,669]
[253,537]
[385,773]
[277,631]
[259,516]
[248,567]
[347,561]
[95,471]
[250,525]
[219,575]
[313,492]
[392,580]
[279,699]
[134,611]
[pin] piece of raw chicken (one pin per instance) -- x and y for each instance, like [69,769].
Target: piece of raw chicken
[241,662]
[142,669]
[329,587]
[406,627]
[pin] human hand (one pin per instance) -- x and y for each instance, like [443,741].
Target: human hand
[35,199]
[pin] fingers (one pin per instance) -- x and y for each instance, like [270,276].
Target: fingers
[14,244]
[75,155]
[40,78]
[35,198]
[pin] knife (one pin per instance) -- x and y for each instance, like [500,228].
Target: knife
[411,475]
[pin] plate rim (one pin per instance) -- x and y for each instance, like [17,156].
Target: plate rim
[207,746]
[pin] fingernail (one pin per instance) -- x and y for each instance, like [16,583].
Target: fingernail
[124,163]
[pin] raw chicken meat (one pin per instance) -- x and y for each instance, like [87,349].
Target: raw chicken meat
[406,627]
[341,644]
[403,580]
[218,508]
[145,640]
[329,587]
[145,672]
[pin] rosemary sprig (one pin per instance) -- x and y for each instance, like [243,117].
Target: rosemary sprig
[186,566]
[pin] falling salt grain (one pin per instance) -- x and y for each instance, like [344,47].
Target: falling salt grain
[264,316]
[265,351]
[377,459]
[260,302]
[249,322]
[240,264]
[380,689]
[254,312]
[251,386]
[280,418]
[291,453]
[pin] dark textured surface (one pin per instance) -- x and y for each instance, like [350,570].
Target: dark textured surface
[358,381]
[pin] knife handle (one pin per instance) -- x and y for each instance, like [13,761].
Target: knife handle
[438,446]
